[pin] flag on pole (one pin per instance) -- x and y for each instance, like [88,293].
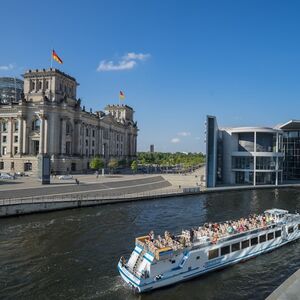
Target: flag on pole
[56,57]
[121,95]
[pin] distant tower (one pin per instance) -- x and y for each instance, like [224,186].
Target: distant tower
[152,148]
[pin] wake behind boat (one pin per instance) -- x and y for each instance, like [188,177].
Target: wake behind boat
[158,261]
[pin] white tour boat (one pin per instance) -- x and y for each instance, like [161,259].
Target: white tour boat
[160,261]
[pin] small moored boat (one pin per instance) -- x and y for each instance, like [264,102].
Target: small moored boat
[158,261]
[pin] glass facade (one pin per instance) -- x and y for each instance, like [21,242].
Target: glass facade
[10,90]
[246,141]
[242,162]
[265,163]
[265,177]
[244,177]
[265,142]
[291,147]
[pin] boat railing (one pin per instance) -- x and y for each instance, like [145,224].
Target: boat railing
[235,235]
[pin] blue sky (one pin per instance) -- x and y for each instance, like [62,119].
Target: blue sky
[176,61]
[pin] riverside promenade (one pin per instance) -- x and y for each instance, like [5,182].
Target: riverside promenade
[26,195]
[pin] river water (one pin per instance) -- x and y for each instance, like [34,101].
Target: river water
[73,254]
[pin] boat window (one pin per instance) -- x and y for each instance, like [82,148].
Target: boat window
[262,238]
[291,229]
[225,250]
[213,253]
[197,257]
[173,261]
[277,233]
[254,241]
[245,244]
[235,247]
[270,236]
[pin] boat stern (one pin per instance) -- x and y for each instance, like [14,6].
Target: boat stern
[132,280]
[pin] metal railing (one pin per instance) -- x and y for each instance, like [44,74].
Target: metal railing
[99,197]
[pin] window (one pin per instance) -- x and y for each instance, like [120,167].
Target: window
[15,150]
[245,244]
[68,128]
[93,143]
[16,138]
[86,142]
[36,124]
[270,236]
[68,148]
[262,238]
[235,247]
[47,85]
[4,150]
[4,139]
[87,132]
[277,233]
[93,133]
[173,261]
[198,257]
[16,125]
[27,166]
[1,165]
[254,241]
[225,250]
[213,253]
[36,147]
[4,126]
[298,226]
[291,229]
[12,165]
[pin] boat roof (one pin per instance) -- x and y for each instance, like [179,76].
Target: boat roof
[276,211]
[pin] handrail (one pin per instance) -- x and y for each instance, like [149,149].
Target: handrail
[84,196]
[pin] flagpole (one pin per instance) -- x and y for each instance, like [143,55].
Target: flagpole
[51,59]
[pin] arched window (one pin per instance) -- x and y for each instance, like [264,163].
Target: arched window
[36,125]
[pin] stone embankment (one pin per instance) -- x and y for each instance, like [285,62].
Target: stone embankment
[289,290]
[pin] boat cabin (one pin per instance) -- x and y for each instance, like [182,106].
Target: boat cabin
[276,214]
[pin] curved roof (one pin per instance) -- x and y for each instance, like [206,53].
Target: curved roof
[253,129]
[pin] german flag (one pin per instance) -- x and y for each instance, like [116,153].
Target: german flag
[121,95]
[56,57]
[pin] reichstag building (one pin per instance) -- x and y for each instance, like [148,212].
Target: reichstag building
[49,119]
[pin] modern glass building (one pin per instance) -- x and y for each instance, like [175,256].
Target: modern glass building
[291,148]
[243,155]
[10,90]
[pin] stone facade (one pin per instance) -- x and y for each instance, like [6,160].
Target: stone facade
[50,120]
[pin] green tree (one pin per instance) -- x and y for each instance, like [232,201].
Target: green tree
[113,164]
[134,166]
[96,163]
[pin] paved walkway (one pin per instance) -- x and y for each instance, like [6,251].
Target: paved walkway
[102,188]
[289,290]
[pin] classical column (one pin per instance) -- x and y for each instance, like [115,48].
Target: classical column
[20,135]
[10,136]
[42,135]
[25,137]
[46,137]
[63,136]
[83,148]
